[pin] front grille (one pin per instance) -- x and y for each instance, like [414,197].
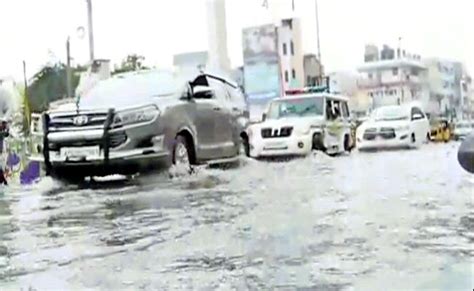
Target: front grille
[370,134]
[67,122]
[387,133]
[116,139]
[277,132]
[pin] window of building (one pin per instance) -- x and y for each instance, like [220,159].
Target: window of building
[370,76]
[293,74]
[292,47]
[395,71]
[286,77]
[284,49]
[414,72]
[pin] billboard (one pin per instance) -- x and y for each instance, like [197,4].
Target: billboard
[261,63]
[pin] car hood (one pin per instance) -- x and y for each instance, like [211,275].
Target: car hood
[378,124]
[163,103]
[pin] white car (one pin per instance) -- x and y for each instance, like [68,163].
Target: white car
[394,126]
[463,129]
[295,125]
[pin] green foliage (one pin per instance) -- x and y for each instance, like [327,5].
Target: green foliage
[132,62]
[49,84]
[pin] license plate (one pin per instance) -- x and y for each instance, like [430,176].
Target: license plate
[80,152]
[276,146]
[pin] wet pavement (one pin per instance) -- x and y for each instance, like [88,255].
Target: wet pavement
[368,221]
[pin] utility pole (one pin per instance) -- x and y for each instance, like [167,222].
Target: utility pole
[68,69]
[90,30]
[317,33]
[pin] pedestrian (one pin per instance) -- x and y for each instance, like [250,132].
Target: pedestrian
[3,134]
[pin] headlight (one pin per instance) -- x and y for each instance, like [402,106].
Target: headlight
[403,128]
[136,116]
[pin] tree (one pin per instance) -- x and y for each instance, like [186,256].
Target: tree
[49,84]
[132,62]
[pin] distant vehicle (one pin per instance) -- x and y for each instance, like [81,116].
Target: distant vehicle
[463,129]
[296,125]
[441,129]
[394,126]
[134,122]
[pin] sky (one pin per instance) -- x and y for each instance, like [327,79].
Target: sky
[36,31]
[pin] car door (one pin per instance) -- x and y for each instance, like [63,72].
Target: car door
[224,144]
[205,118]
[418,119]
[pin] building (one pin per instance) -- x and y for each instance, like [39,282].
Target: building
[274,60]
[394,77]
[217,36]
[290,49]
[449,85]
[313,70]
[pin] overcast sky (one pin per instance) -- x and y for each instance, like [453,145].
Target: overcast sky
[36,30]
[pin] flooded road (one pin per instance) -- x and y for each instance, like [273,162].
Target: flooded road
[384,220]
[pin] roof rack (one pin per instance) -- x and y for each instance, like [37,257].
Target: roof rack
[311,89]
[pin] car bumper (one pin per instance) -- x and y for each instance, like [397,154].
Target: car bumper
[397,142]
[277,147]
[120,162]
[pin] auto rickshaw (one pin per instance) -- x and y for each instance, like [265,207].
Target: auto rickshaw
[441,130]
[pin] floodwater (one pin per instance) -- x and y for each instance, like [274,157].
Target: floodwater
[366,221]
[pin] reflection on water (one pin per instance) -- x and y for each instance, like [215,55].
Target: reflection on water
[365,221]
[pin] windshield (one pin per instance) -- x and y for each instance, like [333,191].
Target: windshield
[390,113]
[132,89]
[296,107]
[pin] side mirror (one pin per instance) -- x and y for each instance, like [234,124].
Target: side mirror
[264,116]
[416,116]
[203,92]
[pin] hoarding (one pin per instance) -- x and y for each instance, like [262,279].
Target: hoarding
[262,80]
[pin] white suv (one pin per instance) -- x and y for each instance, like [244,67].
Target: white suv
[295,125]
[394,126]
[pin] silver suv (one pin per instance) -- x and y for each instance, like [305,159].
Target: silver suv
[145,120]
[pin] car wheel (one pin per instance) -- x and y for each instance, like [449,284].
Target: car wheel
[182,157]
[413,143]
[347,144]
[72,179]
[244,148]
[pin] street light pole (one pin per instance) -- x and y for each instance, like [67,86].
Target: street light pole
[317,32]
[90,29]
[68,69]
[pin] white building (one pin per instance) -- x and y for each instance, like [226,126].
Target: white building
[395,78]
[217,35]
[291,53]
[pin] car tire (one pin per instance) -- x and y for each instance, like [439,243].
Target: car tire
[182,157]
[318,143]
[347,144]
[72,179]
[244,148]
[413,141]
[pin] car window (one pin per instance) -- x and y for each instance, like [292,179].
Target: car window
[236,96]
[416,110]
[333,109]
[221,94]
[295,108]
[132,89]
[345,110]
